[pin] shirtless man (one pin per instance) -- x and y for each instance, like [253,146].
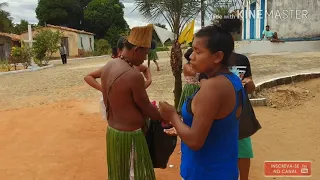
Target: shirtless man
[128,105]
[91,77]
[142,68]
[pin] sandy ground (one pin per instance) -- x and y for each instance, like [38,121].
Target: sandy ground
[51,128]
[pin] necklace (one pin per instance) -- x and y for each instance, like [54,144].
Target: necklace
[126,60]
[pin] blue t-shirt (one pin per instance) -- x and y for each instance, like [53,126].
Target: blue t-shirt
[268,34]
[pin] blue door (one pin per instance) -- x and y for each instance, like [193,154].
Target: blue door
[252,16]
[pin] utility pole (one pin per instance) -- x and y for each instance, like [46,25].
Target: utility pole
[202,6]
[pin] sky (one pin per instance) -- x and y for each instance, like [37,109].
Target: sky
[25,9]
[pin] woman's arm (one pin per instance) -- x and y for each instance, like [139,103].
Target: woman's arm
[206,107]
[91,79]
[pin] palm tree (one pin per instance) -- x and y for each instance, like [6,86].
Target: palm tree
[3,4]
[5,21]
[177,13]
[219,7]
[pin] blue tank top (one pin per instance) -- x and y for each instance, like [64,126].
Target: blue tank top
[218,158]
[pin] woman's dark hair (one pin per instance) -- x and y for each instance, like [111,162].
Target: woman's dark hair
[188,54]
[219,39]
[114,51]
[120,42]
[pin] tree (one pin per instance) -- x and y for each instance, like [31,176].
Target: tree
[46,43]
[101,15]
[60,12]
[231,24]
[211,7]
[19,28]
[5,19]
[113,34]
[177,13]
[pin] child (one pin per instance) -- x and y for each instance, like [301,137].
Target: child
[114,53]
[191,78]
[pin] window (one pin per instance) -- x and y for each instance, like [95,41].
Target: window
[90,42]
[81,42]
[2,54]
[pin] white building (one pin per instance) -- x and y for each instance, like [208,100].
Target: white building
[291,19]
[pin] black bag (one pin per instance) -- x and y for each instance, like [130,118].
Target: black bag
[161,145]
[248,124]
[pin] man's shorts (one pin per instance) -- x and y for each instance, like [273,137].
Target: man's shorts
[245,148]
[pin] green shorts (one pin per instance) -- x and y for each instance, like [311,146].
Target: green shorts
[245,148]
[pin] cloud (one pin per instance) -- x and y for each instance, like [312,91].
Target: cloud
[22,9]
[25,9]
[134,18]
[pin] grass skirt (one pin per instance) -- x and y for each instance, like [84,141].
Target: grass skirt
[187,91]
[128,156]
[152,55]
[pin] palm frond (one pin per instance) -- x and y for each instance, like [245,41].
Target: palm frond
[4,15]
[3,4]
[175,12]
[215,7]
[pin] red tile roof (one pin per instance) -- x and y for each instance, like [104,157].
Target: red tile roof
[14,37]
[62,28]
[69,29]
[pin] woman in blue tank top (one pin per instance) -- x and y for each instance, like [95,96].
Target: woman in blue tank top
[209,130]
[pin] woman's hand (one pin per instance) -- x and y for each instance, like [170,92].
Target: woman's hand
[171,132]
[247,81]
[167,111]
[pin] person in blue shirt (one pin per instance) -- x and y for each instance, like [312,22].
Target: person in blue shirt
[270,35]
[210,127]
[245,151]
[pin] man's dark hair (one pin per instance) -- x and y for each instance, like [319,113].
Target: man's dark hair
[219,39]
[267,26]
[128,45]
[122,42]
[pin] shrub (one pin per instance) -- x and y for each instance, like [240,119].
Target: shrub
[5,65]
[165,48]
[83,53]
[102,47]
[20,55]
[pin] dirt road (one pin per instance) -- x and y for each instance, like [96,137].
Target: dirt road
[50,125]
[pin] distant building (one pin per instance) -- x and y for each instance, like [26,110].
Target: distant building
[7,41]
[76,41]
[292,19]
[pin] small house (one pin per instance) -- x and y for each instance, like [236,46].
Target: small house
[76,41]
[7,41]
